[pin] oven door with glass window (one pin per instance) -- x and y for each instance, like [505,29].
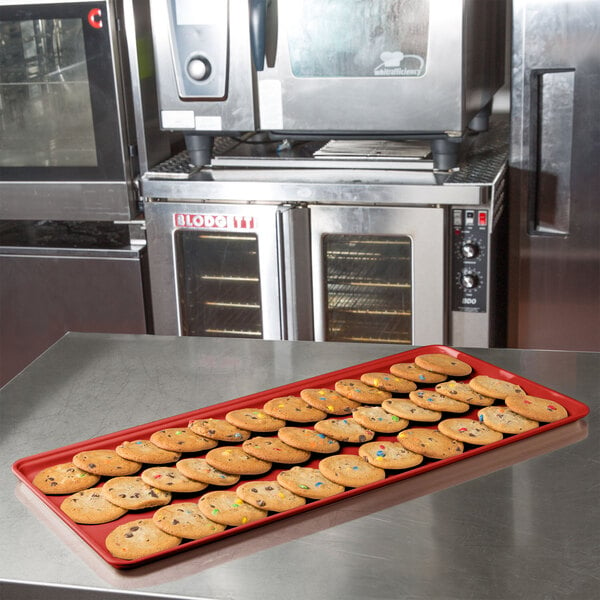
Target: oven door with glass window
[218,269]
[378,274]
[63,150]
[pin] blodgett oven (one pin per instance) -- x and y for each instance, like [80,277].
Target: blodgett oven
[403,257]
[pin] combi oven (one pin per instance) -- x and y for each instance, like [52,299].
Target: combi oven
[331,255]
[425,69]
[78,115]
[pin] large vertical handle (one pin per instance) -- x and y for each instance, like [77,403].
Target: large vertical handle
[258,26]
[552,144]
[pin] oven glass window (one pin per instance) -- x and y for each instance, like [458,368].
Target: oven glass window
[368,288]
[218,284]
[354,38]
[45,104]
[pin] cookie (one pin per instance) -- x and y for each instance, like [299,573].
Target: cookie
[328,401]
[407,409]
[64,478]
[388,382]
[272,449]
[199,470]
[413,372]
[435,401]
[379,420]
[181,439]
[444,364]
[308,439]
[308,483]
[469,431]
[144,451]
[90,507]
[233,460]
[344,430]
[389,455]
[227,508]
[463,392]
[504,420]
[269,495]
[171,479]
[219,429]
[359,391]
[133,493]
[293,408]
[350,470]
[430,443]
[185,520]
[105,462]
[254,419]
[138,539]
[495,388]
[536,409]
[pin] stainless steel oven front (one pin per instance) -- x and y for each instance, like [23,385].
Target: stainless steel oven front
[332,254]
[378,274]
[229,270]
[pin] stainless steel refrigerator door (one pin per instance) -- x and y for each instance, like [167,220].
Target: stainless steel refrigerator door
[182,271]
[417,272]
[555,175]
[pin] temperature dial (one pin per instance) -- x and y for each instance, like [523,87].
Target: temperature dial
[198,68]
[469,280]
[470,250]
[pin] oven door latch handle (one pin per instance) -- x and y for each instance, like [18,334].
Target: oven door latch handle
[258,24]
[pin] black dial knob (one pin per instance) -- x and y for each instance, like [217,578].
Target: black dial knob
[469,280]
[470,250]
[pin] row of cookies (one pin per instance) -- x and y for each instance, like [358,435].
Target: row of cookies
[166,445]
[253,500]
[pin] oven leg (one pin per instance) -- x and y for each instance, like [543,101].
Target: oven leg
[445,153]
[481,121]
[199,148]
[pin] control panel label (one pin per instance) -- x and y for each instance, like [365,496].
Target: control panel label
[214,221]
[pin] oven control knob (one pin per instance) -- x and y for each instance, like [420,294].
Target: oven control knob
[470,250]
[469,281]
[198,68]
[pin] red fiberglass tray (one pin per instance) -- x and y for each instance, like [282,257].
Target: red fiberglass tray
[95,535]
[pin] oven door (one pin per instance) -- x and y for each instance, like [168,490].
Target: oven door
[355,66]
[62,149]
[378,274]
[216,269]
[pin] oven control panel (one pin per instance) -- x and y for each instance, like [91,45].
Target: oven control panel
[470,229]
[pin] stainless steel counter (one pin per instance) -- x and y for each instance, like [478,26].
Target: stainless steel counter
[516,522]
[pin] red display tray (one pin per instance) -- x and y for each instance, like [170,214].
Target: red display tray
[94,535]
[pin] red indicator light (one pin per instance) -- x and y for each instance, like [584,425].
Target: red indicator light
[482,216]
[95,18]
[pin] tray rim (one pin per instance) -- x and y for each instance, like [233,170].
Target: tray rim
[577,410]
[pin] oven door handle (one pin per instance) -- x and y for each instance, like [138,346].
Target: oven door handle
[258,26]
[552,94]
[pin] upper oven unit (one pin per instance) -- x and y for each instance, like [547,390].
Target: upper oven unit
[333,68]
[69,144]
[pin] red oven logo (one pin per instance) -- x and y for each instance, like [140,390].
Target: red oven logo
[231,222]
[95,18]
